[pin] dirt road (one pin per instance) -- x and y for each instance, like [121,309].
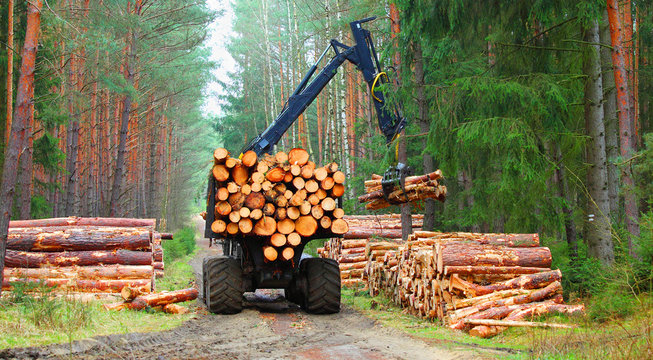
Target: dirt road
[268,328]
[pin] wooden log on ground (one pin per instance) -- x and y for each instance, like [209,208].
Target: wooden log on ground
[155,299]
[175,309]
[80,221]
[513,323]
[129,293]
[105,272]
[77,238]
[67,285]
[78,258]
[358,233]
[530,281]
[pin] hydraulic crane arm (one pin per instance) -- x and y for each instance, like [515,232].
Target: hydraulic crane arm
[364,56]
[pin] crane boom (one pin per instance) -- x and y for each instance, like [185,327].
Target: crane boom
[364,56]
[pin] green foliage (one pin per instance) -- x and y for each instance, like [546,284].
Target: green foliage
[40,208]
[183,243]
[644,171]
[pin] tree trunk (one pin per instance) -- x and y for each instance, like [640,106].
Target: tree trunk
[610,118]
[425,125]
[567,208]
[124,126]
[24,99]
[10,68]
[26,167]
[599,237]
[625,126]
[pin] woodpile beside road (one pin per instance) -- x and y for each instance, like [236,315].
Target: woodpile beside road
[85,255]
[282,198]
[461,278]
[165,301]
[358,245]
[415,188]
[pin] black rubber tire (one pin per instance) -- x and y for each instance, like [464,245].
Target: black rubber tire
[204,266]
[224,285]
[322,286]
[294,295]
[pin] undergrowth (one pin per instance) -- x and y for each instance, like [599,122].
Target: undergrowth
[32,315]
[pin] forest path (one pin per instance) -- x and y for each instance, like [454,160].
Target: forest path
[268,328]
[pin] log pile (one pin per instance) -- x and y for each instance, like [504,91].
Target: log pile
[283,199]
[363,242]
[85,255]
[415,188]
[460,278]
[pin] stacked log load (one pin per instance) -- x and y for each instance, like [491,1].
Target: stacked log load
[464,279]
[361,243]
[86,255]
[283,199]
[415,188]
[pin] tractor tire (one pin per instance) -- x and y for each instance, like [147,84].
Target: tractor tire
[224,285]
[294,295]
[322,286]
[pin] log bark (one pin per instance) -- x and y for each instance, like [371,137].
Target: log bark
[105,272]
[155,299]
[99,286]
[452,254]
[530,281]
[77,238]
[493,270]
[78,258]
[80,221]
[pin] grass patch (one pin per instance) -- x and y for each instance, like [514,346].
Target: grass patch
[627,335]
[40,318]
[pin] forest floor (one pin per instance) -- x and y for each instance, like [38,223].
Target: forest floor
[268,328]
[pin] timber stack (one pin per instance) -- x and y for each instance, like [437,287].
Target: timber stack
[415,188]
[282,198]
[362,242]
[84,255]
[467,279]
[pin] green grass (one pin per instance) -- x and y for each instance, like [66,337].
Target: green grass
[311,247]
[39,318]
[44,319]
[617,338]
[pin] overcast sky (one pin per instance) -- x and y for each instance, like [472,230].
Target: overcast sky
[220,30]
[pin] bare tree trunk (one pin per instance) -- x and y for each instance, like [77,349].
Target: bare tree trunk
[10,68]
[124,126]
[425,125]
[610,118]
[625,126]
[567,208]
[26,167]
[19,126]
[599,238]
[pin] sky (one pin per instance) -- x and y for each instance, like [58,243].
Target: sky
[220,30]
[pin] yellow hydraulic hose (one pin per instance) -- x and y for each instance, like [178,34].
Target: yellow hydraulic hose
[374,84]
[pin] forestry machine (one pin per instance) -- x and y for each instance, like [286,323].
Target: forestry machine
[313,283]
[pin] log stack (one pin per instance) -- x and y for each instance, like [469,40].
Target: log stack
[460,278]
[415,188]
[282,199]
[364,241]
[86,255]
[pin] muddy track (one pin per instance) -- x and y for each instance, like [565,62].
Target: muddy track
[268,328]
